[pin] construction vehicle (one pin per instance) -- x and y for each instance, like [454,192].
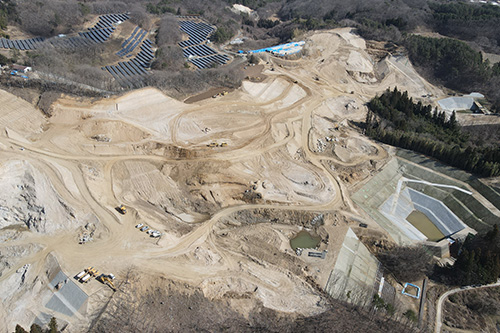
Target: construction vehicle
[80,275]
[223,144]
[122,209]
[87,274]
[86,278]
[107,279]
[212,144]
[92,271]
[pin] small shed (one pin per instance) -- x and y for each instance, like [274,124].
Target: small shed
[23,69]
[479,108]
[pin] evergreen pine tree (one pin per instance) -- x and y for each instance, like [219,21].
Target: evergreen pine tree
[20,329]
[52,325]
[36,329]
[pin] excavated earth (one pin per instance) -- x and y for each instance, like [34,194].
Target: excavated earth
[288,150]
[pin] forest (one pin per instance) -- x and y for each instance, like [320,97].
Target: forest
[456,65]
[277,21]
[478,261]
[394,119]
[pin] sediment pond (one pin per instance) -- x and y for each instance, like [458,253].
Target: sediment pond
[420,221]
[304,240]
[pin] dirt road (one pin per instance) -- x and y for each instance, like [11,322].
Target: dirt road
[154,154]
[442,299]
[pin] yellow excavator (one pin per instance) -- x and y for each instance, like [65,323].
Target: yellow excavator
[107,279]
[122,209]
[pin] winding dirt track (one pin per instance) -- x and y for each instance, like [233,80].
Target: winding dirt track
[122,246]
[112,245]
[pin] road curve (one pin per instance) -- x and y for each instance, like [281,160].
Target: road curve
[439,307]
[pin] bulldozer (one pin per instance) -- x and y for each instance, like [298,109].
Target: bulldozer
[107,279]
[122,209]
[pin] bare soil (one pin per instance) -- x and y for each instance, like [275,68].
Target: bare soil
[226,181]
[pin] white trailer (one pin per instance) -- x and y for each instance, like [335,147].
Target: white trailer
[86,278]
[79,275]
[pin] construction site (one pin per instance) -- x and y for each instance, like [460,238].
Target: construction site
[116,194]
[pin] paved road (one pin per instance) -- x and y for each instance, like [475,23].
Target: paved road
[439,308]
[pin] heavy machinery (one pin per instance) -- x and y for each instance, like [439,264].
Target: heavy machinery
[92,271]
[107,279]
[122,209]
[86,274]
[81,274]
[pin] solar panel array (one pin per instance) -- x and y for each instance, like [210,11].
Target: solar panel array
[99,33]
[198,50]
[132,42]
[21,44]
[131,73]
[103,29]
[197,32]
[198,53]
[208,62]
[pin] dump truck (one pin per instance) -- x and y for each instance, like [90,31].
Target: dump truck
[122,209]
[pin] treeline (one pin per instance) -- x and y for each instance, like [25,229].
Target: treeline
[394,118]
[478,261]
[162,7]
[52,327]
[456,65]
[478,23]
[7,12]
[254,4]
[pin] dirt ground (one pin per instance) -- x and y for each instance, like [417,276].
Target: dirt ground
[227,181]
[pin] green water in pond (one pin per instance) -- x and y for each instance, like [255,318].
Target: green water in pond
[425,226]
[304,240]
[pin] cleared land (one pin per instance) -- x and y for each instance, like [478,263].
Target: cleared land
[227,181]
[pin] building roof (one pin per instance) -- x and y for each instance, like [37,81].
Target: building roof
[20,67]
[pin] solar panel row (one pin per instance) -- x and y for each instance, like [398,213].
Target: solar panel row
[210,61]
[200,55]
[97,34]
[132,42]
[24,44]
[197,32]
[72,42]
[198,50]
[131,73]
